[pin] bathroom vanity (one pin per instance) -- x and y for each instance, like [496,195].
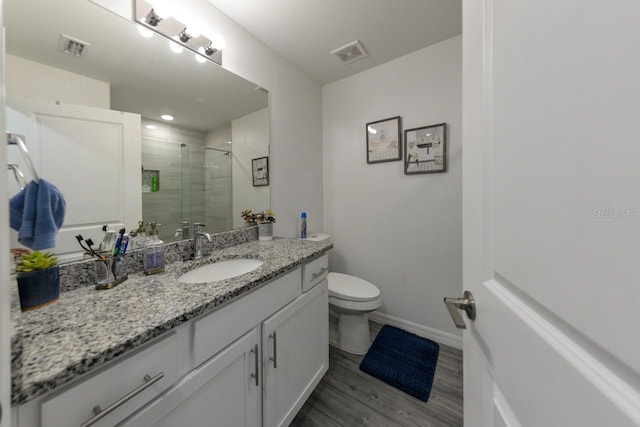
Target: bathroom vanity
[245,351]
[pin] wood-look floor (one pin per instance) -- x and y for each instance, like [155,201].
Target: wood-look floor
[348,397]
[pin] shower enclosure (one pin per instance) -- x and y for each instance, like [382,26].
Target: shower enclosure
[185,183]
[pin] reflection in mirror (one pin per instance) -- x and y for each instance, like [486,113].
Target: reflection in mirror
[197,168]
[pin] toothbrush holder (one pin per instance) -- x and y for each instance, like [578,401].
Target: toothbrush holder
[110,271]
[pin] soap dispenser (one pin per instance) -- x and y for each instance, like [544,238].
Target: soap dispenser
[153,251]
[139,239]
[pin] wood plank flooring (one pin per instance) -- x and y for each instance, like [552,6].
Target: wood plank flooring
[347,397]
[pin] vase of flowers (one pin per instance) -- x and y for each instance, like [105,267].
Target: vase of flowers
[38,279]
[264,219]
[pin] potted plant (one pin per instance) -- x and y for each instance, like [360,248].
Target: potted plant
[265,220]
[38,279]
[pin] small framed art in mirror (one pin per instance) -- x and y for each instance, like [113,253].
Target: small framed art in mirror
[260,171]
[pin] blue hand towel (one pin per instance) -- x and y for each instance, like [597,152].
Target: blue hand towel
[37,213]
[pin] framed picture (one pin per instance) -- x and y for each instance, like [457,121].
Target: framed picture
[425,149]
[384,140]
[260,171]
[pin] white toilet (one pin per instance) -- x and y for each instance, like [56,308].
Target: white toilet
[352,298]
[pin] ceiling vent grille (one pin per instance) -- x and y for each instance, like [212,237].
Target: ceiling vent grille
[72,46]
[351,52]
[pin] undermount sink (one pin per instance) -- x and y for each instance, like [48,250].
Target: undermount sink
[220,270]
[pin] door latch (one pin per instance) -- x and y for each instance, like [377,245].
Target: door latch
[466,303]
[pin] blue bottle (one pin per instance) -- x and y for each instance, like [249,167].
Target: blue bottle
[303,225]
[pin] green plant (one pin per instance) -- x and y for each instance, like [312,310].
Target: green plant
[35,261]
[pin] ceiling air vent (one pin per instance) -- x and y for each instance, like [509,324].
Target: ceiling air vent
[72,46]
[351,52]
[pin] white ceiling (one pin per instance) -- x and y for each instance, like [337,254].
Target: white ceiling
[305,31]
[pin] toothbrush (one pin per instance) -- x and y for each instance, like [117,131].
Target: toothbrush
[116,246]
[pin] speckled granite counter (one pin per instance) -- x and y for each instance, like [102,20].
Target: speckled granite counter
[87,328]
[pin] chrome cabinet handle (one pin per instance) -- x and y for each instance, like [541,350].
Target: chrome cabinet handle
[274,359]
[100,414]
[254,350]
[466,303]
[320,273]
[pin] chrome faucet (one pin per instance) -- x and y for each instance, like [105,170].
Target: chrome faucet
[198,243]
[183,231]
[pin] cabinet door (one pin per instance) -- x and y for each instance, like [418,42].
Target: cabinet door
[296,354]
[222,392]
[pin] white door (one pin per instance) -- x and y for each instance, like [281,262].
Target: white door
[551,112]
[91,154]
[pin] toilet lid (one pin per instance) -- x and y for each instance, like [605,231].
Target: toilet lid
[351,288]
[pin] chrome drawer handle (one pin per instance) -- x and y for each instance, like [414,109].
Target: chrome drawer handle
[320,273]
[100,414]
[274,359]
[254,350]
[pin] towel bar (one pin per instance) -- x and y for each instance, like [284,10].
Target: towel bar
[15,139]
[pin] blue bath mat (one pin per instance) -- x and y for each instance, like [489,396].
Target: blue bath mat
[403,360]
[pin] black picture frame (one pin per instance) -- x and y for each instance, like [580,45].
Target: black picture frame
[425,149]
[384,140]
[260,171]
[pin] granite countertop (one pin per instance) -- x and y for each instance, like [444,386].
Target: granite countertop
[86,328]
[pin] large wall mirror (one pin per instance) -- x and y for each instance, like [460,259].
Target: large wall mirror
[195,168]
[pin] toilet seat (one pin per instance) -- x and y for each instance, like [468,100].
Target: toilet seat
[351,288]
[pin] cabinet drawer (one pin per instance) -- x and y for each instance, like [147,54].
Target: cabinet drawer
[215,331]
[74,406]
[315,272]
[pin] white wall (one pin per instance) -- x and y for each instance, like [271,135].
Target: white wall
[34,80]
[295,102]
[248,135]
[401,232]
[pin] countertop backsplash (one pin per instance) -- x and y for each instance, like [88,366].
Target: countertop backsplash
[77,274]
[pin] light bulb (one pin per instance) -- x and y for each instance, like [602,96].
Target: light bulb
[193,31]
[162,8]
[145,32]
[199,56]
[175,46]
[218,42]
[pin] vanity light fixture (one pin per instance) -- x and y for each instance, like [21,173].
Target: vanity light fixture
[151,15]
[210,50]
[152,18]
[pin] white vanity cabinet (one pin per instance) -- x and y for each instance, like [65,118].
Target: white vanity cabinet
[295,343]
[115,390]
[250,363]
[224,391]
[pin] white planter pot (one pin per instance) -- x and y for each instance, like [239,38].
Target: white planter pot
[265,231]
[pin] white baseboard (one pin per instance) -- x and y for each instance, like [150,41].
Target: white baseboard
[436,335]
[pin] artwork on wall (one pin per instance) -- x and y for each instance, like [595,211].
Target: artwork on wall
[384,140]
[260,171]
[425,149]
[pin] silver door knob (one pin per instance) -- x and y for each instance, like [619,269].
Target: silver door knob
[466,303]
